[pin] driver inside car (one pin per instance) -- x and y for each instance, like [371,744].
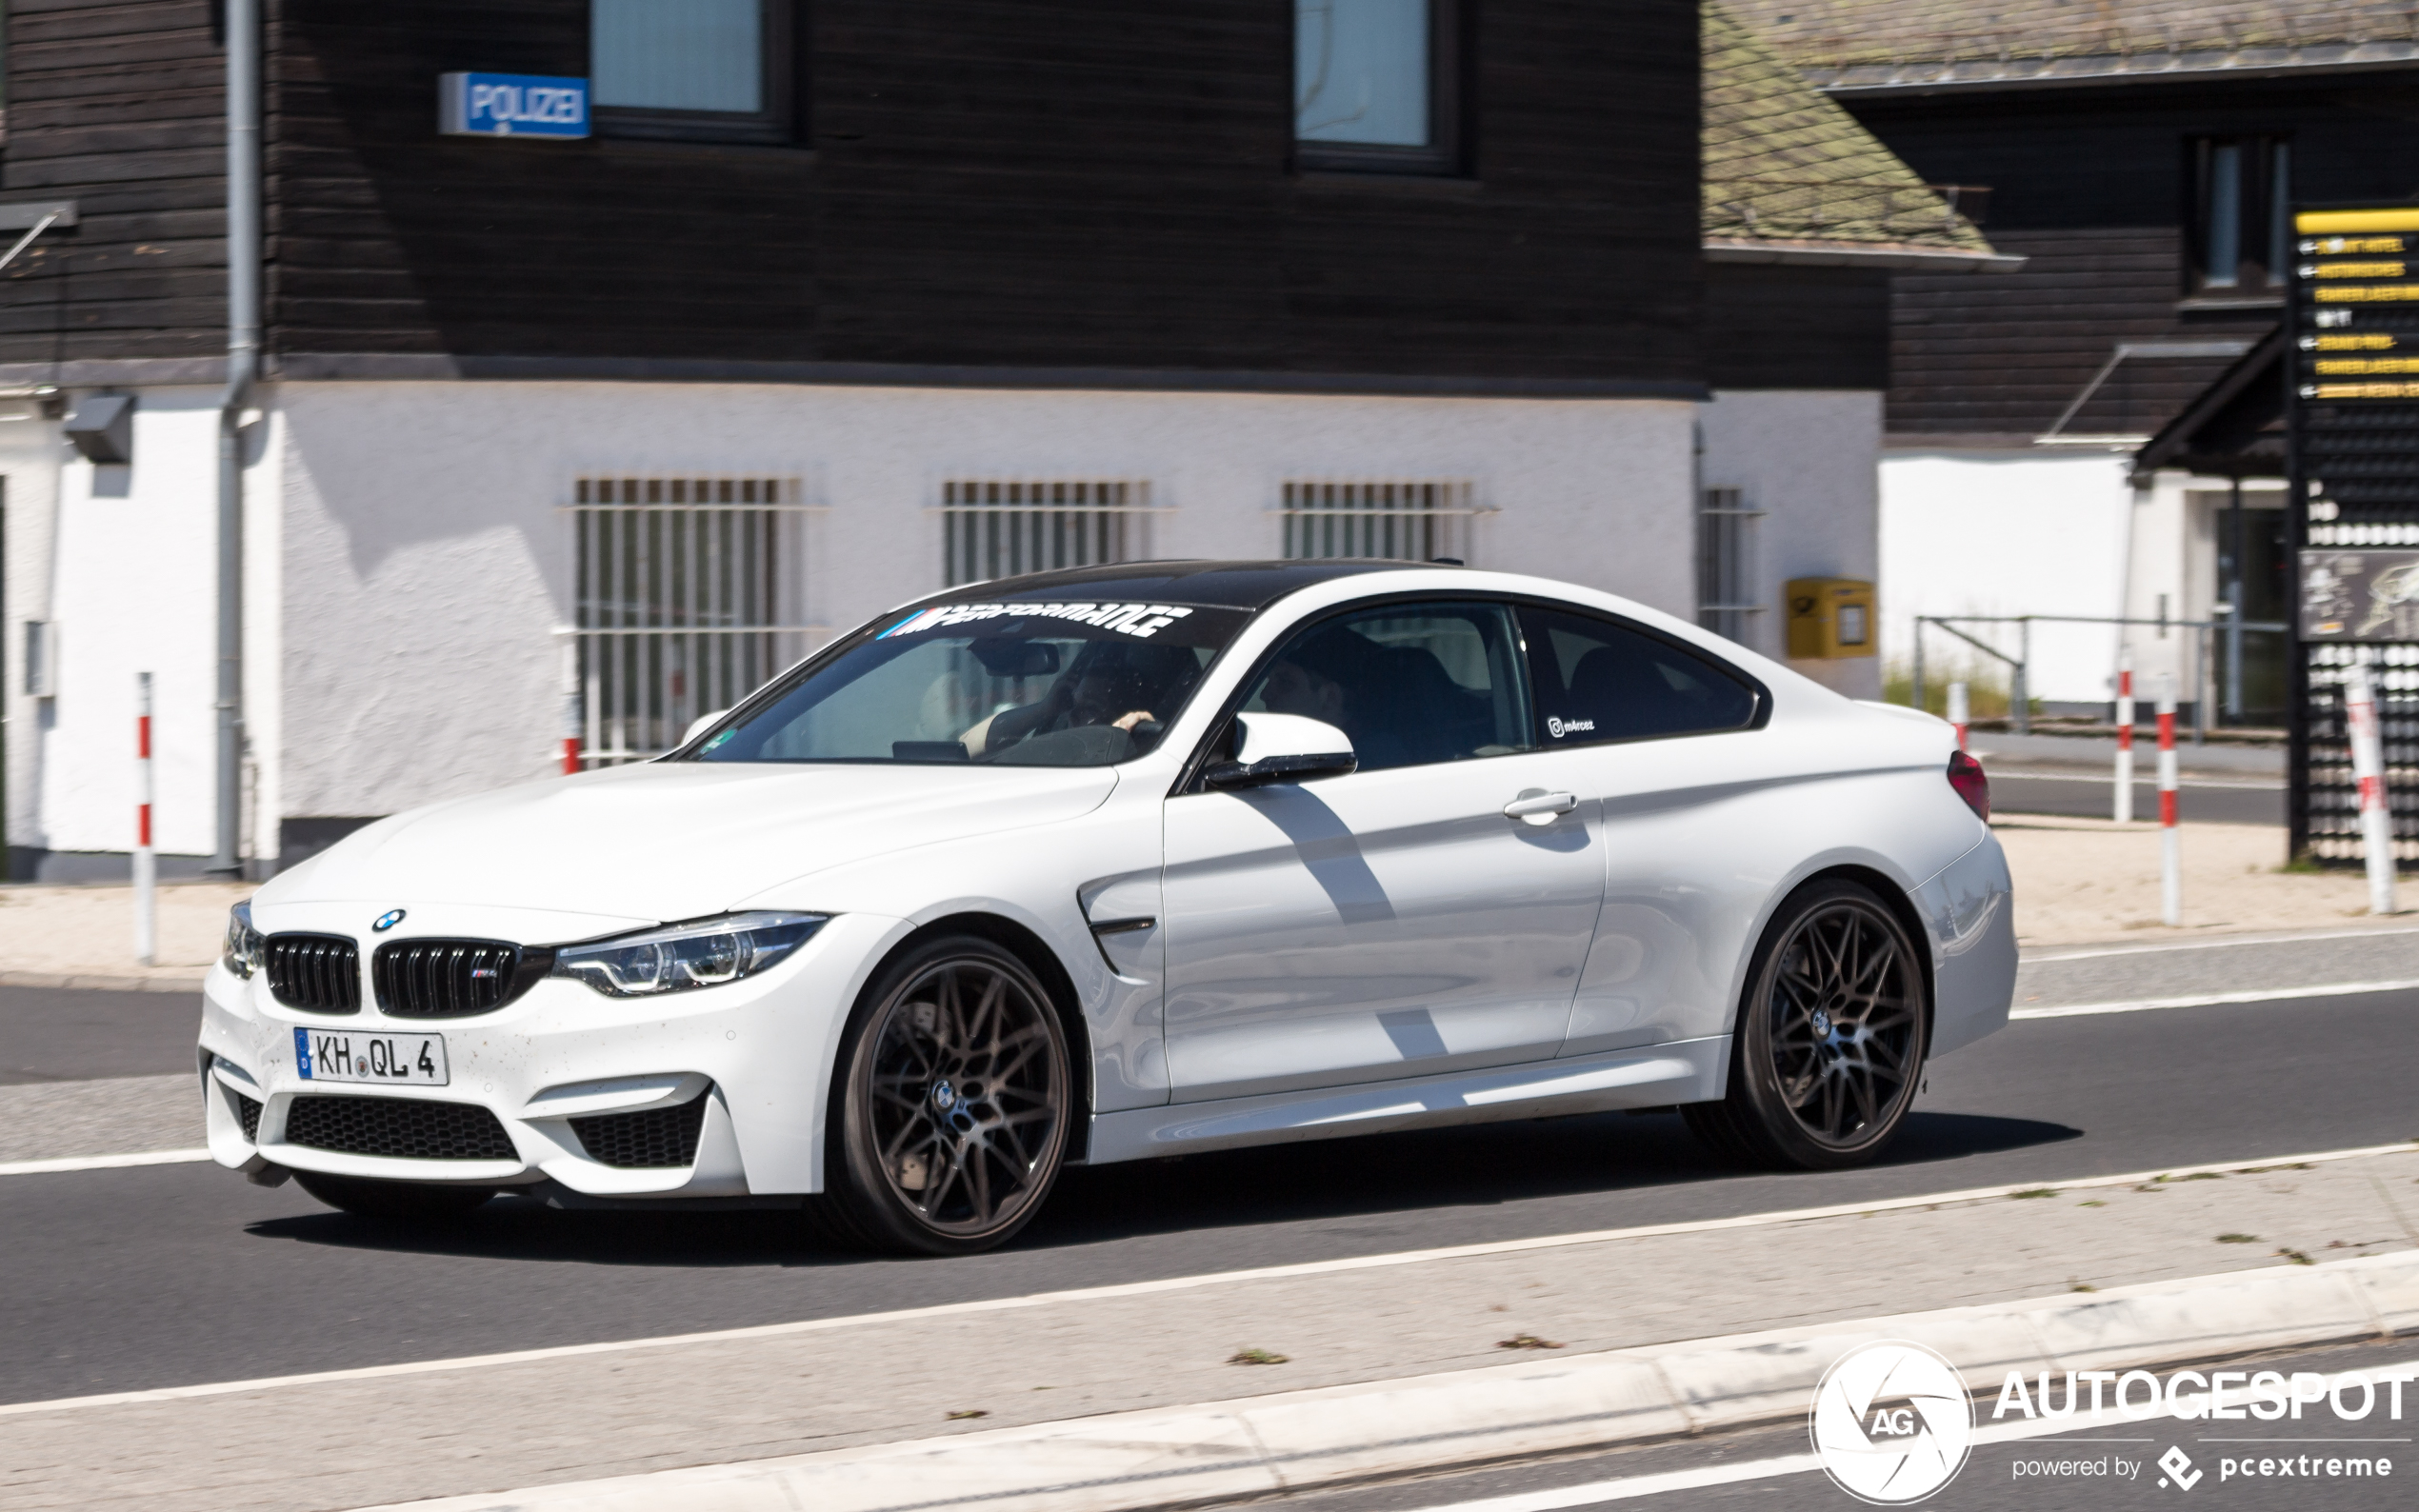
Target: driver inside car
[1110,686]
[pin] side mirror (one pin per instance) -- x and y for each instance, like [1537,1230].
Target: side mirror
[698,726]
[1282,748]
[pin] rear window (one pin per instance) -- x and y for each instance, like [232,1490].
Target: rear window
[1598,680]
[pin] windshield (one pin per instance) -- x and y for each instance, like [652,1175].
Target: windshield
[1015,685]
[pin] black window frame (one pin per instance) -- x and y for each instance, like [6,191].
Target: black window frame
[780,123]
[1760,697]
[1447,85]
[2259,202]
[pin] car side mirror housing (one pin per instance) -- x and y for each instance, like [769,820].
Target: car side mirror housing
[1282,748]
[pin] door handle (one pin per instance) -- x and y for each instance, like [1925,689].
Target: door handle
[1538,806]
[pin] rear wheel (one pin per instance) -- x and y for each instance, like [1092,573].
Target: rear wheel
[395,1200]
[951,1104]
[1830,1038]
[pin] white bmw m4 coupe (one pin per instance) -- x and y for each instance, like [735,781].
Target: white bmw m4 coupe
[1129,861]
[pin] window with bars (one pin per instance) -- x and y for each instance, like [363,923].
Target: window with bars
[689,592]
[1725,587]
[1410,520]
[1000,528]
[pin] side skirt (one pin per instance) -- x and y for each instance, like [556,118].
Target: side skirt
[1653,1076]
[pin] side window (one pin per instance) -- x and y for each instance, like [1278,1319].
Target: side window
[1409,683]
[1598,680]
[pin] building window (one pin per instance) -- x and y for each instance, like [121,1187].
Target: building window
[1726,586]
[1375,85]
[999,528]
[689,592]
[697,69]
[1416,520]
[2239,232]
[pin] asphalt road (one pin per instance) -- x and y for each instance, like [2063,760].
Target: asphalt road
[2090,796]
[155,1276]
[50,1034]
[1988,1481]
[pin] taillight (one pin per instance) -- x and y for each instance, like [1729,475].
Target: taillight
[1965,774]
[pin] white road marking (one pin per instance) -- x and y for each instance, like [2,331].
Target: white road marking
[2211,999]
[1596,1493]
[1176,1284]
[101,1162]
[2225,943]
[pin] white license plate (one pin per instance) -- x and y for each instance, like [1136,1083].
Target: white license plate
[349,1055]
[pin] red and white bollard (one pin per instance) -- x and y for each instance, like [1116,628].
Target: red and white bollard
[2125,737]
[147,878]
[2171,853]
[2368,769]
[571,724]
[1957,712]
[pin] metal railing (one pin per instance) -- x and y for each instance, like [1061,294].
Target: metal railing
[2019,665]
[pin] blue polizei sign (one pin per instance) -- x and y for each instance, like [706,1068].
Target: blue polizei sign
[512,105]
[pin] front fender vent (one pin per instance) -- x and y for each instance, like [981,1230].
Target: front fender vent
[453,979]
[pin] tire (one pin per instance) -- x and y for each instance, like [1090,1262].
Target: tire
[951,1106]
[404,1200]
[1831,1036]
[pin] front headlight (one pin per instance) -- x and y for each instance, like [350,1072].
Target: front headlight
[243,942]
[705,953]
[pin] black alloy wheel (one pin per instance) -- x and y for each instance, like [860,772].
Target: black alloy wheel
[414,1201]
[1831,1036]
[952,1114]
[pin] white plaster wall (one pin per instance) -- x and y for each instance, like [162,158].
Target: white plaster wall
[1809,460]
[32,451]
[427,562]
[2176,522]
[2008,533]
[132,586]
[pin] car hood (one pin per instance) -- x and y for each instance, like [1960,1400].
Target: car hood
[675,840]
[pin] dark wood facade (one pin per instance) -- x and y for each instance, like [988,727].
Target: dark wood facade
[1796,326]
[978,186]
[2092,183]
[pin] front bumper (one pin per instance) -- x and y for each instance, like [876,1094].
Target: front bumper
[758,1053]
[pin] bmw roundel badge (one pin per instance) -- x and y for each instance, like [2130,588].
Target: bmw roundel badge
[388,920]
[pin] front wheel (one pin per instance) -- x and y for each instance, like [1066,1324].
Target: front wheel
[1830,1038]
[406,1201]
[951,1106]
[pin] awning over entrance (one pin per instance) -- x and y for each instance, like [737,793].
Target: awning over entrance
[2235,428]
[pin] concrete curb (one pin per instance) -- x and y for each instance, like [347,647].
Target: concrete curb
[83,982]
[1258,1447]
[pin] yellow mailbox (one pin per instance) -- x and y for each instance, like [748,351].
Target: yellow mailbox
[1830,618]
